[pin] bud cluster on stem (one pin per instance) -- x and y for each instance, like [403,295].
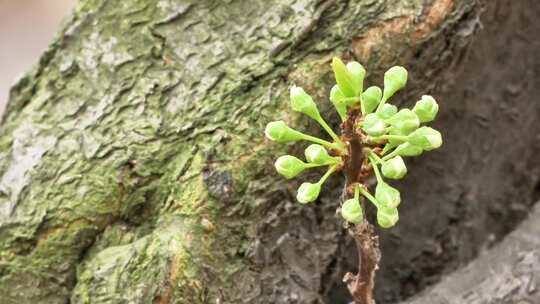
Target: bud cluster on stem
[376,136]
[387,133]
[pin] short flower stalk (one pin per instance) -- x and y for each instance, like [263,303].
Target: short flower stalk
[374,138]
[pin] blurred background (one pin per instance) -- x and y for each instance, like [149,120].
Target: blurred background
[26,28]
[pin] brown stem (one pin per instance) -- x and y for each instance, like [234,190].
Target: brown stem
[356,170]
[362,284]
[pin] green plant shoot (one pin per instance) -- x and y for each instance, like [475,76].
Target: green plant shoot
[386,135]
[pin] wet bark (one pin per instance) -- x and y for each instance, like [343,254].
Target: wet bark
[133,167]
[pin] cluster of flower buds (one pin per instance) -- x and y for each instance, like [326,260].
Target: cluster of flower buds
[379,124]
[316,154]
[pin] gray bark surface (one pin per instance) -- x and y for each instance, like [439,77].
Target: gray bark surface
[133,167]
[506,274]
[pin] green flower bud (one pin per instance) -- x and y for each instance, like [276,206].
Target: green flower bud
[337,98]
[343,77]
[371,99]
[408,149]
[317,154]
[387,217]
[405,121]
[280,132]
[397,142]
[394,168]
[373,125]
[303,103]
[308,192]
[387,195]
[352,211]
[358,73]
[387,110]
[427,138]
[394,80]
[426,108]
[289,166]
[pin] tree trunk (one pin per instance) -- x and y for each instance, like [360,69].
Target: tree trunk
[507,273]
[133,167]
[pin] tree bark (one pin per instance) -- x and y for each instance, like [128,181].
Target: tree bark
[133,167]
[362,285]
[507,273]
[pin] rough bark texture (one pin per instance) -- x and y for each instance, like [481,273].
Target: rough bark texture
[508,273]
[362,285]
[133,167]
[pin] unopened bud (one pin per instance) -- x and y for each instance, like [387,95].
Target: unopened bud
[337,99]
[317,154]
[387,217]
[405,121]
[395,141]
[308,192]
[394,168]
[357,73]
[408,149]
[352,211]
[427,138]
[373,125]
[289,166]
[280,132]
[387,110]
[303,103]
[394,80]
[371,99]
[387,195]
[343,77]
[426,108]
